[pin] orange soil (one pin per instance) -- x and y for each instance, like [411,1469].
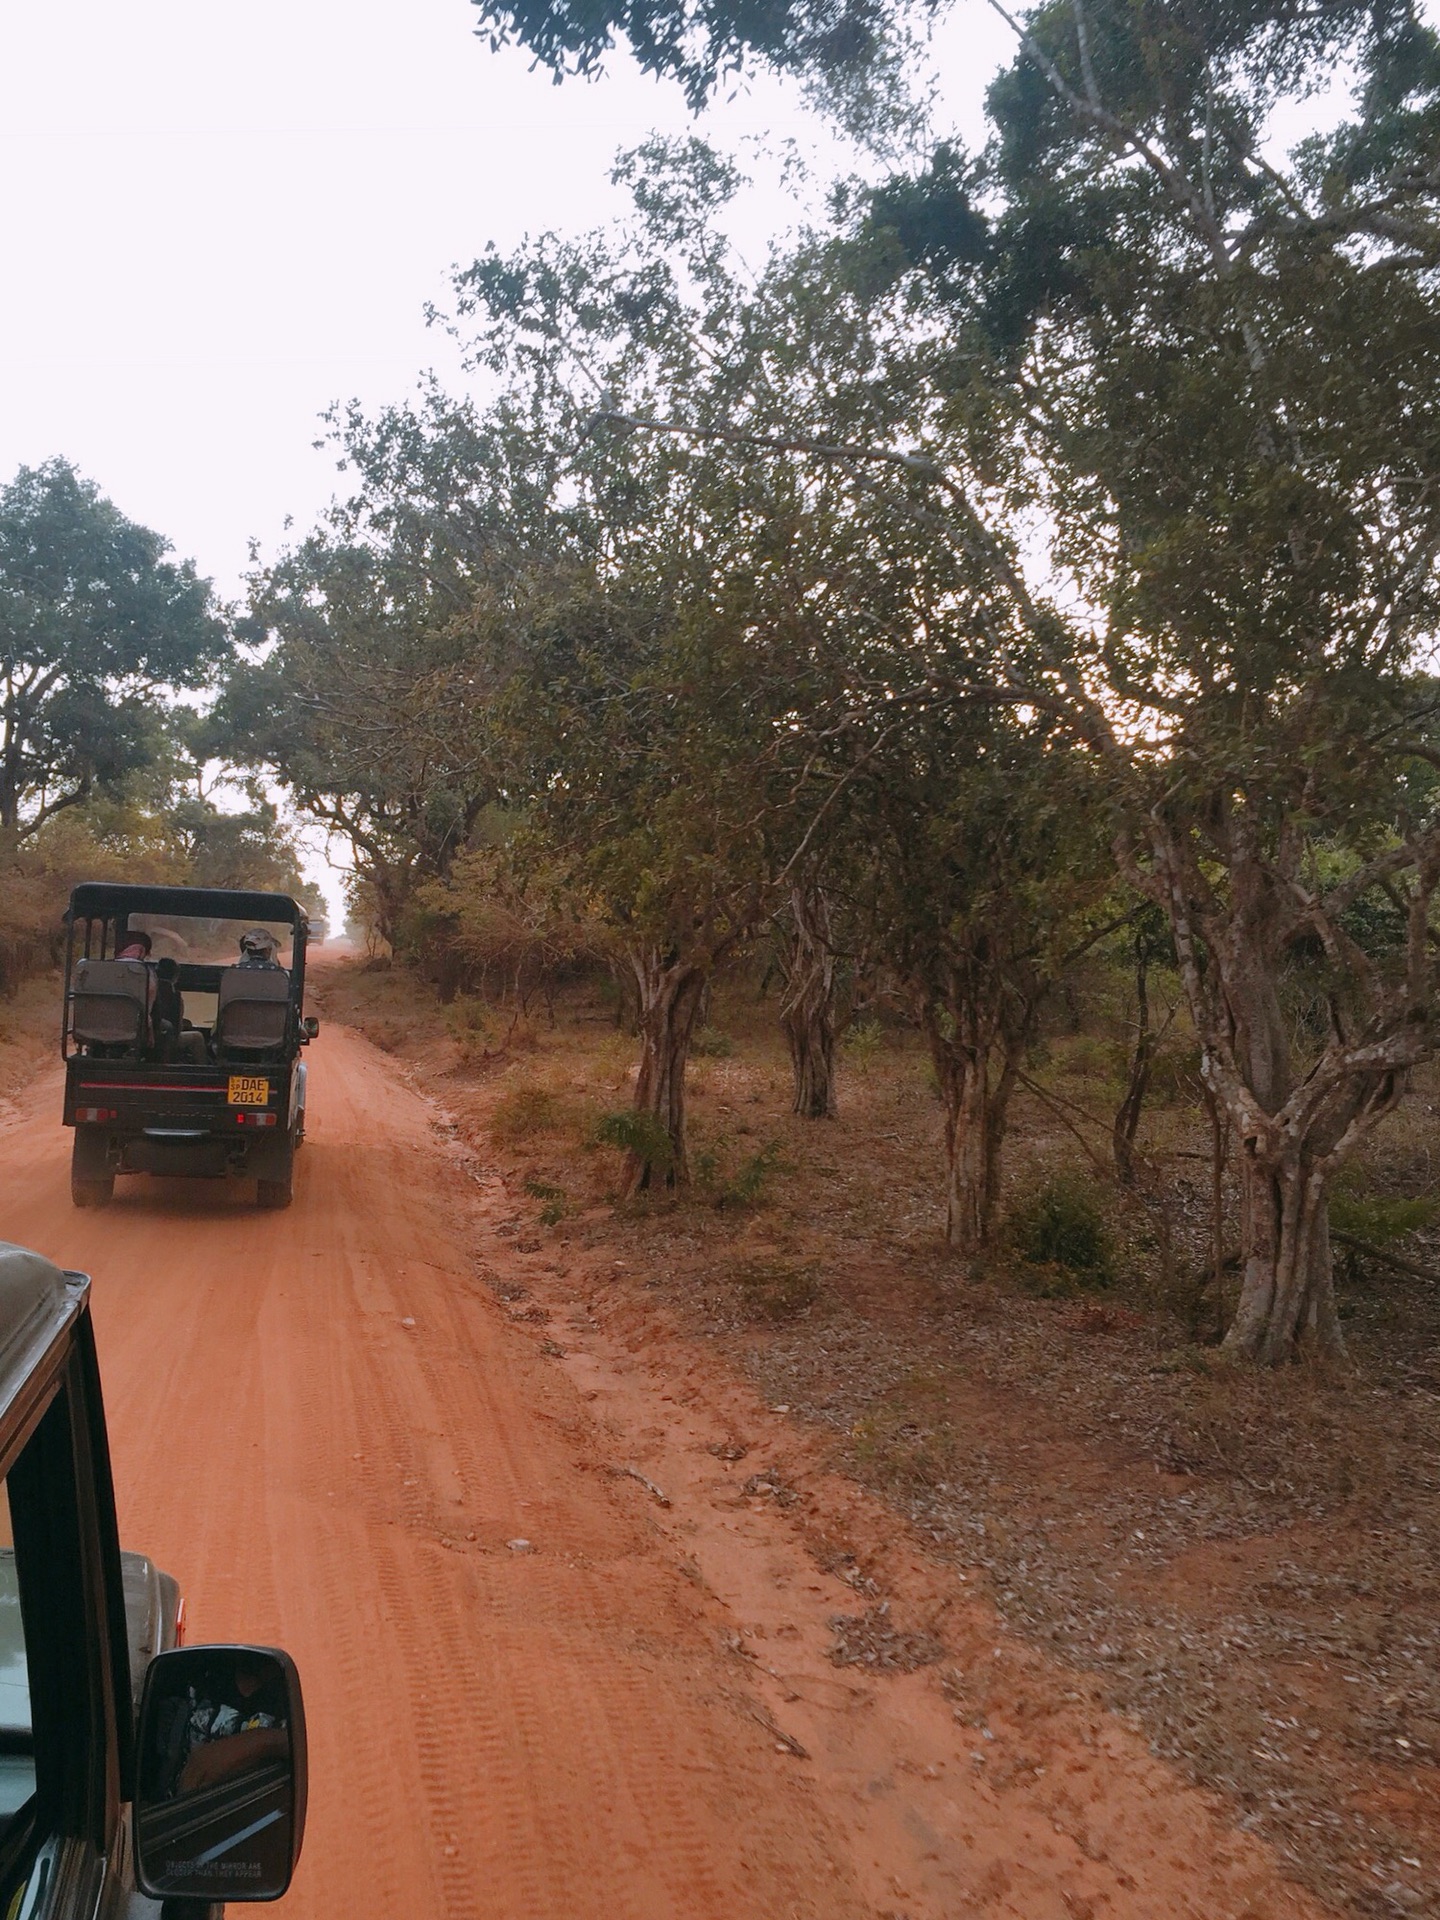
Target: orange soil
[336,1436]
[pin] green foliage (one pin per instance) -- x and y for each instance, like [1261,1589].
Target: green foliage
[469,1019]
[1377,1218]
[630,1131]
[503,913]
[1174,1073]
[746,1186]
[363,691]
[95,622]
[710,1043]
[1059,1228]
[162,825]
[556,1201]
[1088,1057]
[862,1044]
[698,43]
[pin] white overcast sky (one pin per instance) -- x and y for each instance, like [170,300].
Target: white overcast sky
[218,220]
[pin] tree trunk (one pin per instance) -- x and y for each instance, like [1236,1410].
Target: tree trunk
[807,1005]
[978,1032]
[1287,1287]
[970,1147]
[670,990]
[1127,1115]
[627,999]
[1290,1139]
[1287,1290]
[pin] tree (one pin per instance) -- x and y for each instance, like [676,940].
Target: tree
[990,874]
[95,626]
[641,741]
[1221,362]
[678,378]
[367,689]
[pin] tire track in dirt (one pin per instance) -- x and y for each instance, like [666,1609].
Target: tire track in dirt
[533,1734]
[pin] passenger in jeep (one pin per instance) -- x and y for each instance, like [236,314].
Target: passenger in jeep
[175,1038]
[258,948]
[228,1729]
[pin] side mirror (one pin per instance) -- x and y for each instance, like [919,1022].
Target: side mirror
[310,1026]
[220,1802]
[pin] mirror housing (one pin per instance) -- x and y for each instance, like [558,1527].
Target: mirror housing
[310,1027]
[220,1752]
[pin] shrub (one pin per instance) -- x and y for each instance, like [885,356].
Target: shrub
[709,1043]
[862,1044]
[1087,1057]
[556,1204]
[1376,1218]
[522,1112]
[466,1017]
[746,1186]
[1060,1226]
[1175,1073]
[470,1027]
[631,1131]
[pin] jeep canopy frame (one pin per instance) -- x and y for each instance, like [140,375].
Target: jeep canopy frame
[100,912]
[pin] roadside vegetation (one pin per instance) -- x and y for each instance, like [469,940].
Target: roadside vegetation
[1241,1562]
[1041,545]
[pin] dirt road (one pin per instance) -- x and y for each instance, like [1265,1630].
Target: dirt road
[562,1657]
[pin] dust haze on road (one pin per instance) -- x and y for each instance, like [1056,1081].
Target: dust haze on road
[525,1697]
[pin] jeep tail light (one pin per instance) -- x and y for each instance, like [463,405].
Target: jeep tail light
[257,1119]
[95,1115]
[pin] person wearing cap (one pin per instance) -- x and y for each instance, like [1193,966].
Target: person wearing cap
[258,948]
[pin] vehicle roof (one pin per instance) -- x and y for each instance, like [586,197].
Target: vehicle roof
[104,899]
[37,1298]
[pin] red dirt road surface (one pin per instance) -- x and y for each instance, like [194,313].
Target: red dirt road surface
[562,1658]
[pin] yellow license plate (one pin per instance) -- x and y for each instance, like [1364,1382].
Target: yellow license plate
[246,1091]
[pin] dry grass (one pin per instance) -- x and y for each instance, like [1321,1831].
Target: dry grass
[29,1034]
[527,1112]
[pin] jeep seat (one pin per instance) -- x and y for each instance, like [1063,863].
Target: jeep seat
[252,1011]
[111,1001]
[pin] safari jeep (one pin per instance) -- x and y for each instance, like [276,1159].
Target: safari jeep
[140,1779]
[181,1049]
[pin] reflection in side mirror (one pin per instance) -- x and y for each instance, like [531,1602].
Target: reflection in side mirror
[311,1026]
[220,1803]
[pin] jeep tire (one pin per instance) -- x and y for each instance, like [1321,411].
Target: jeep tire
[92,1178]
[277,1189]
